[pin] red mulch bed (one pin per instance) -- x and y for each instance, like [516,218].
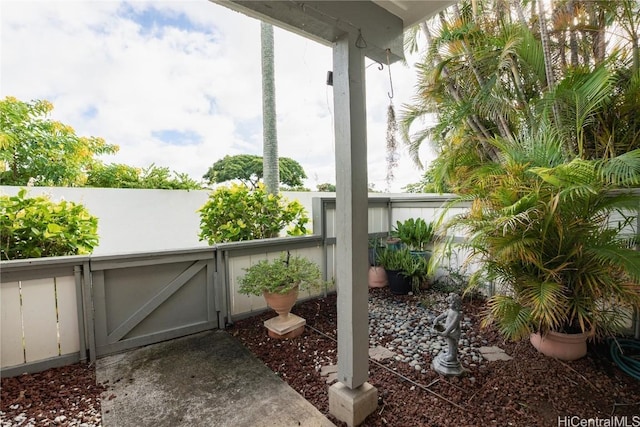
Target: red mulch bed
[67,396]
[529,390]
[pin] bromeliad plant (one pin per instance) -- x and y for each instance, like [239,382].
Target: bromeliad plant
[415,233]
[553,235]
[280,275]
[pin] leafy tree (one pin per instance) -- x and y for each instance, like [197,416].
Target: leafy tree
[237,213]
[429,182]
[113,175]
[34,227]
[35,149]
[298,188]
[124,176]
[163,178]
[326,187]
[247,168]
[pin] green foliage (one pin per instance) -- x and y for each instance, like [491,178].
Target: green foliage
[553,235]
[391,259]
[248,169]
[453,281]
[413,266]
[490,72]
[294,189]
[113,176]
[280,275]
[331,188]
[124,176]
[416,233]
[430,182]
[237,213]
[416,269]
[34,227]
[37,149]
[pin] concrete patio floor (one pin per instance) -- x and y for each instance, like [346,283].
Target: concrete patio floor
[207,379]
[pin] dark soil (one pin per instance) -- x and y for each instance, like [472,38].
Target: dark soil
[529,390]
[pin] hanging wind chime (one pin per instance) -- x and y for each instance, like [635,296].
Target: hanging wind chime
[392,130]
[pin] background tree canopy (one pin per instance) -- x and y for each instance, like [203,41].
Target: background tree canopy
[248,169]
[34,147]
[116,175]
[39,151]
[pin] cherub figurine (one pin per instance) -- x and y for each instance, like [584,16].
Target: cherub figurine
[451,329]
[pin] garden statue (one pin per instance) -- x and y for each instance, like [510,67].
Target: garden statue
[447,363]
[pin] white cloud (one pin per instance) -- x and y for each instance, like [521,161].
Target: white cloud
[112,72]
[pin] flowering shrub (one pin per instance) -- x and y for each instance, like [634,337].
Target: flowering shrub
[237,213]
[34,227]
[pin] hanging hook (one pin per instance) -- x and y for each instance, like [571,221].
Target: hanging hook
[361,43]
[390,95]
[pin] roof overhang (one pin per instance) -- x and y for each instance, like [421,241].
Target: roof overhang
[380,22]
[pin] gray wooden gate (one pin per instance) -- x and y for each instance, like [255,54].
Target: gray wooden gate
[142,299]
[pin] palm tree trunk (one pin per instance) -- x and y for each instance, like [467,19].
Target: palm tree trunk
[270,138]
[472,121]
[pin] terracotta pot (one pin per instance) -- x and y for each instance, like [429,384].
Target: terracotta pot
[377,277]
[561,346]
[281,303]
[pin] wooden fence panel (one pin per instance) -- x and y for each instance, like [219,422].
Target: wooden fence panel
[67,315]
[39,319]
[11,349]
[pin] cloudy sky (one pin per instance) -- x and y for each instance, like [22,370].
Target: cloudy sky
[178,84]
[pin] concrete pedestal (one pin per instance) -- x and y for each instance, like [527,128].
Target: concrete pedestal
[445,367]
[289,327]
[352,406]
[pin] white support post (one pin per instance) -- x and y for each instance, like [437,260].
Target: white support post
[352,399]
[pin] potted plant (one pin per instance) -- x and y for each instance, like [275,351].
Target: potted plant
[377,273]
[280,281]
[550,233]
[415,269]
[416,234]
[394,262]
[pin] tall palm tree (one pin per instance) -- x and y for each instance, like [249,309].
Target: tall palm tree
[488,71]
[270,136]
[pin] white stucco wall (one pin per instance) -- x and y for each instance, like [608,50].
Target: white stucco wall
[132,220]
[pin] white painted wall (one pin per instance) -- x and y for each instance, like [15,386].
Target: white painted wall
[133,220]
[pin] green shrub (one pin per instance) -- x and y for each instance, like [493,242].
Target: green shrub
[237,213]
[34,227]
[280,275]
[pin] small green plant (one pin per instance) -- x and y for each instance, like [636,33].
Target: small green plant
[416,269]
[35,227]
[392,260]
[416,234]
[453,281]
[375,246]
[280,275]
[236,213]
